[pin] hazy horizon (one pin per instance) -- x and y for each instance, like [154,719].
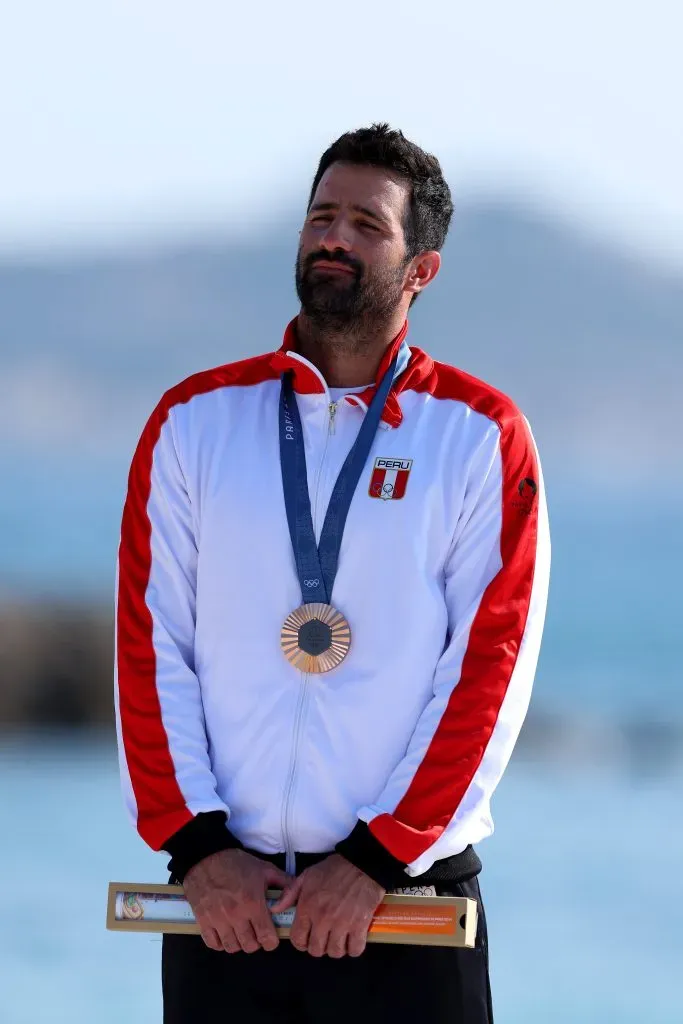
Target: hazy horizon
[148,117]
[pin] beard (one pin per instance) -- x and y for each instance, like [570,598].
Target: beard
[347,303]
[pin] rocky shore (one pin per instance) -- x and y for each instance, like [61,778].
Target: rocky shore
[55,665]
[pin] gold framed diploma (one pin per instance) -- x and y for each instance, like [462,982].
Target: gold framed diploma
[410,920]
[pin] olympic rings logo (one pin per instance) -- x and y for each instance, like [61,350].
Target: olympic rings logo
[312,583]
[384,491]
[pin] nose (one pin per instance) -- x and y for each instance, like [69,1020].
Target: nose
[336,236]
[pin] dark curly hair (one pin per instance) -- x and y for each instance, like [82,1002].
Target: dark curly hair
[430,208]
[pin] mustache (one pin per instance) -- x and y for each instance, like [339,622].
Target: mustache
[331,257]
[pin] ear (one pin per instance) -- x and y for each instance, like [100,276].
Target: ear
[423,269]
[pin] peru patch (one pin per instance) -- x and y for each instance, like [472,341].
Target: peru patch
[390,478]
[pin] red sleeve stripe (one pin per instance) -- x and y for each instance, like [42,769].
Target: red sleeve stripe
[460,741]
[161,807]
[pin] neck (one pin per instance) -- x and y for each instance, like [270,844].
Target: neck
[346,359]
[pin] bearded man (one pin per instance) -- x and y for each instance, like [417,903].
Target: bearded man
[332,582]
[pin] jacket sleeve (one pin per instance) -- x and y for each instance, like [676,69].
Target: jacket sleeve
[168,785]
[436,801]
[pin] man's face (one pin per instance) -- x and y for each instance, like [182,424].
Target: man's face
[351,266]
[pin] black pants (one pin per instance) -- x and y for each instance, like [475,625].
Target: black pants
[387,983]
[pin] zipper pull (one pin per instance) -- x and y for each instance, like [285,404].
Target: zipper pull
[333,413]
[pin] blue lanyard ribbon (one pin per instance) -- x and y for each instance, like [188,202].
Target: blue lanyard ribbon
[317,564]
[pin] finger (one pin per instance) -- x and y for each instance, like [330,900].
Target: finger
[246,937]
[300,931]
[273,876]
[264,930]
[337,944]
[211,938]
[356,943]
[229,940]
[289,895]
[317,943]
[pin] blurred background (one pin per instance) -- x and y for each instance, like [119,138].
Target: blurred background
[156,159]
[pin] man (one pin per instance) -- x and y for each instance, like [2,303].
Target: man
[331,588]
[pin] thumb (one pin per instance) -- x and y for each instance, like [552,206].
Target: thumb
[274,878]
[289,895]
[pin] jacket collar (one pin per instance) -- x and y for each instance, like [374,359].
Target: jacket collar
[413,366]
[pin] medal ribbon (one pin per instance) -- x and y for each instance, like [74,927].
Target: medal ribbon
[317,564]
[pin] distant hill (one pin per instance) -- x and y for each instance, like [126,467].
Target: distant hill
[588,342]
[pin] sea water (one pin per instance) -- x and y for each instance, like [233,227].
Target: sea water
[583,885]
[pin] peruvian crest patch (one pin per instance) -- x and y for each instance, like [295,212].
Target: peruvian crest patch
[389,478]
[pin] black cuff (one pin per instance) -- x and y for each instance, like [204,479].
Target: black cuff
[368,854]
[207,833]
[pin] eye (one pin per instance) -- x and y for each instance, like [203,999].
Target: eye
[367,226]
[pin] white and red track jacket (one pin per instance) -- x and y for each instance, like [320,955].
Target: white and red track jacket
[392,757]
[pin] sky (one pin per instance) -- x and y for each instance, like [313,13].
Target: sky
[142,118]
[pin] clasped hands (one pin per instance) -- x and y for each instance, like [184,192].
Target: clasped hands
[335,903]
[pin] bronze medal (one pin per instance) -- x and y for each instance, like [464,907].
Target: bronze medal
[315,638]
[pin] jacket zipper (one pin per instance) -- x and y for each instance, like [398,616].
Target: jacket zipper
[290,859]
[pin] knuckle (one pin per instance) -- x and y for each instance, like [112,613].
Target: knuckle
[357,938]
[302,923]
[247,939]
[207,912]
[226,939]
[266,937]
[203,917]
[262,922]
[316,946]
[236,919]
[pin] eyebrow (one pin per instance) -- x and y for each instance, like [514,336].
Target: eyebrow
[354,206]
